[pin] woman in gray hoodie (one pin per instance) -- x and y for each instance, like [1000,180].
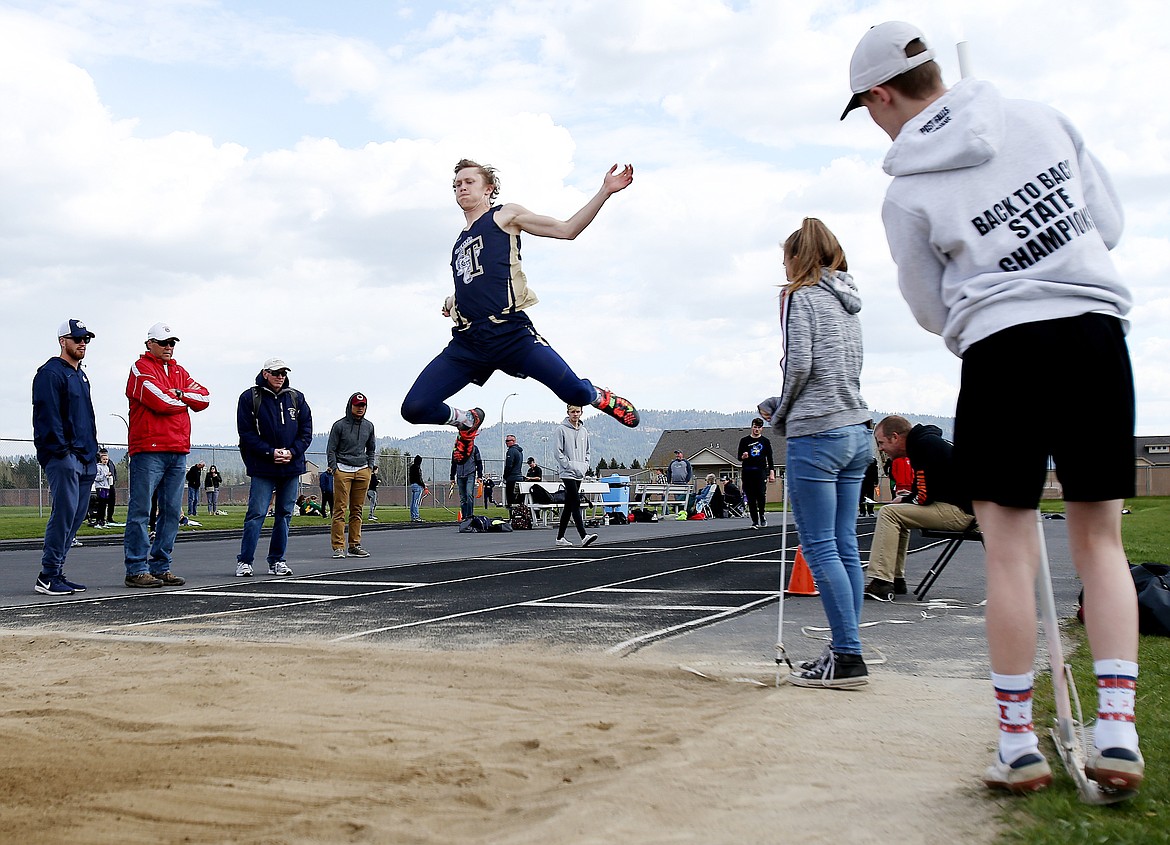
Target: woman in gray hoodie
[573,459]
[822,414]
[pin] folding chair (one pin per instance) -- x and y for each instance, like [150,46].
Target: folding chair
[953,539]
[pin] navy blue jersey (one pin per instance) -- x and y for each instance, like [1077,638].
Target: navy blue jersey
[489,283]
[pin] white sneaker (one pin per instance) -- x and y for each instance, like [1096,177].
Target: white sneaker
[193,522]
[588,539]
[279,568]
[564,541]
[76,542]
[243,570]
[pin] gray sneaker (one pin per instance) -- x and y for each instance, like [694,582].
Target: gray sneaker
[358,551]
[279,568]
[243,570]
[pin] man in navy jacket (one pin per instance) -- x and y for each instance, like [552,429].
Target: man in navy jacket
[276,428]
[65,434]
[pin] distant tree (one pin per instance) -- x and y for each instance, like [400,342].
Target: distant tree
[601,467]
[635,464]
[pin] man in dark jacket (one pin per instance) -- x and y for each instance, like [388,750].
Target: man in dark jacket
[513,470]
[934,501]
[65,434]
[275,427]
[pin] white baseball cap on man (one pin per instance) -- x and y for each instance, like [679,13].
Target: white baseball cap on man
[274,365]
[160,331]
[880,55]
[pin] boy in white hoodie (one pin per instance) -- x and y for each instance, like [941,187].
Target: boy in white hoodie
[1001,222]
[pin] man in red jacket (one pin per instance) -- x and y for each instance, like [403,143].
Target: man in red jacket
[162,394]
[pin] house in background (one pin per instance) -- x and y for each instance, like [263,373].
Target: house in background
[1152,465]
[712,450]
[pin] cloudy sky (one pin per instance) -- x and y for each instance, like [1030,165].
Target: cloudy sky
[273,178]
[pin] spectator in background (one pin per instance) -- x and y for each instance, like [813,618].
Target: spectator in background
[211,484]
[194,482]
[325,482]
[513,470]
[869,489]
[466,469]
[573,460]
[417,487]
[757,469]
[679,471]
[372,491]
[534,473]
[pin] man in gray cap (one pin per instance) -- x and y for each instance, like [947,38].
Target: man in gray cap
[65,434]
[276,428]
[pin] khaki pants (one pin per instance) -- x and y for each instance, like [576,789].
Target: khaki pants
[349,494]
[887,555]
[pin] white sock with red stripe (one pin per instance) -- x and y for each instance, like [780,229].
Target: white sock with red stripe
[1013,699]
[1116,691]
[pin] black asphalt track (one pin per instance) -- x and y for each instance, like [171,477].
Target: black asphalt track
[692,589]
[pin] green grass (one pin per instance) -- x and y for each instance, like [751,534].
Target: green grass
[1056,816]
[25,523]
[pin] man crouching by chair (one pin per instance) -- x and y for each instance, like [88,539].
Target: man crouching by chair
[933,502]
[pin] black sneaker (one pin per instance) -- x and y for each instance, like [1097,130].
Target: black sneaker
[899,586]
[879,590]
[838,671]
[52,585]
[818,662]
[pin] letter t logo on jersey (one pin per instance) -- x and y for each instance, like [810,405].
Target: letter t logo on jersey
[467,261]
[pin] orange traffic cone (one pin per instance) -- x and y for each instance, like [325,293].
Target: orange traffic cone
[801,582]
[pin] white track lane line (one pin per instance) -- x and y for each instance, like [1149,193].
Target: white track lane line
[621,552]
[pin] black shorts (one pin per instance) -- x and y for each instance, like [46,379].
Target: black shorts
[1060,388]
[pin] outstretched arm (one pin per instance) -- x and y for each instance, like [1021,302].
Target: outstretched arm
[517,218]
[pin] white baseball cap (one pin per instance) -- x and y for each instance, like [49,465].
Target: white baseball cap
[161,331]
[880,55]
[273,365]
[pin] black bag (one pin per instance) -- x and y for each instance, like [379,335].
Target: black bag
[475,525]
[539,495]
[1152,582]
[521,516]
[500,525]
[618,518]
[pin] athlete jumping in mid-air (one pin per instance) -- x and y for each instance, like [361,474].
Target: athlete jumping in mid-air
[492,332]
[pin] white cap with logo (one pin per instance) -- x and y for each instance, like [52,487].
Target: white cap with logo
[161,331]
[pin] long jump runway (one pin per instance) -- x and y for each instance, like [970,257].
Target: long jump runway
[615,595]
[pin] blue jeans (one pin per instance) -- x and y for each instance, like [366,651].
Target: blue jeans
[192,501]
[69,479]
[259,495]
[824,476]
[416,491]
[150,471]
[466,485]
[212,500]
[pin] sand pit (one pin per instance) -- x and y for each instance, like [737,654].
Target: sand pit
[110,741]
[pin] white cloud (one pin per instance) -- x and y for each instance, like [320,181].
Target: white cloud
[334,254]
